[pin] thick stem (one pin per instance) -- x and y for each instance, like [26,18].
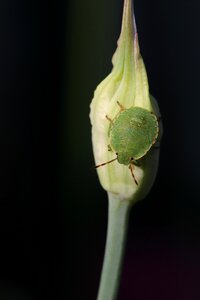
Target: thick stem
[116,235]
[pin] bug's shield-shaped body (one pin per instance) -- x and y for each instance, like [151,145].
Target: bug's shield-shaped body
[132,133]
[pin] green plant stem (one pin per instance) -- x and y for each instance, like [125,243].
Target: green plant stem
[116,235]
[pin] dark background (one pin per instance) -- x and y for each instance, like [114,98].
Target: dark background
[53,212]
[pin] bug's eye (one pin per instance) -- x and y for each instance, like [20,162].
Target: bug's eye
[116,153]
[131,158]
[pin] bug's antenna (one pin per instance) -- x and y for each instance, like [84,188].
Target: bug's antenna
[108,162]
[130,167]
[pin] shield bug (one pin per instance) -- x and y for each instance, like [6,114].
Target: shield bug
[131,134]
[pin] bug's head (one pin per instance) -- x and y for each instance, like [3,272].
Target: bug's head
[123,158]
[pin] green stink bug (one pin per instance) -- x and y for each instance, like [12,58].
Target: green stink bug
[131,134]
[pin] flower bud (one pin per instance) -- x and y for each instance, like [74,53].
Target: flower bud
[128,84]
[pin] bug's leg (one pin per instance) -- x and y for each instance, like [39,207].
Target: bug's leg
[131,167]
[121,106]
[108,162]
[109,119]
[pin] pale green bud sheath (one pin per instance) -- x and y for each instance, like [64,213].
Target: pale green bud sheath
[127,84]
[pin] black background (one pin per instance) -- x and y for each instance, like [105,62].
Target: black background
[52,209]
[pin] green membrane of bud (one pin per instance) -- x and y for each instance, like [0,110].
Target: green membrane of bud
[128,84]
